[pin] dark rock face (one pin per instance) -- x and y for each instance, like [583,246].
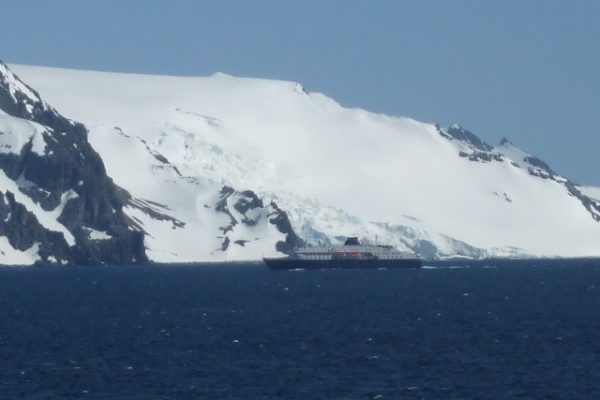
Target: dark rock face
[476,149]
[243,202]
[68,163]
[156,210]
[250,211]
[23,230]
[536,162]
[481,156]
[459,133]
[281,220]
[248,200]
[222,207]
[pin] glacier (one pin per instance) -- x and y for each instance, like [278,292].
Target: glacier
[175,143]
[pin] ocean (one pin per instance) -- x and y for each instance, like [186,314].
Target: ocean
[244,332]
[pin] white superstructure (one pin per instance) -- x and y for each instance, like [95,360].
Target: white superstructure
[351,249]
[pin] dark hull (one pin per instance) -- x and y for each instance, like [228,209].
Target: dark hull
[290,263]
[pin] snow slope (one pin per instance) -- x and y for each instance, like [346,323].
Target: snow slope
[183,224]
[592,192]
[335,171]
[11,256]
[57,205]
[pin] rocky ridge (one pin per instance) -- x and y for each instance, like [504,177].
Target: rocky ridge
[55,195]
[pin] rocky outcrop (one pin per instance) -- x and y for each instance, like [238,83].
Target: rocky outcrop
[281,220]
[460,134]
[65,179]
[248,209]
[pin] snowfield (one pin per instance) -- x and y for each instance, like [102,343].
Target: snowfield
[17,132]
[591,191]
[173,142]
[182,200]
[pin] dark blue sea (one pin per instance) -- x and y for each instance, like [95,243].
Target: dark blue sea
[245,332]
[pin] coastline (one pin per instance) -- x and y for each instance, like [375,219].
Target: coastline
[462,262]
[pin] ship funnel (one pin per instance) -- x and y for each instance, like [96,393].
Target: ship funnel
[352,241]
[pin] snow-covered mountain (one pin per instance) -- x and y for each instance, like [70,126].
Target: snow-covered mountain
[191,150]
[57,205]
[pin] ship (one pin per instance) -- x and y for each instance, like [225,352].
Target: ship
[351,255]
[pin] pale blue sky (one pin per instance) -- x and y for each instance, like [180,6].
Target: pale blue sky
[527,70]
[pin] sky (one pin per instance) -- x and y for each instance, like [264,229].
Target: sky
[522,69]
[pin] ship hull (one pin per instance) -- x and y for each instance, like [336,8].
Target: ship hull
[291,263]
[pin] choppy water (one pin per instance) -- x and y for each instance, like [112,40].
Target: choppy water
[244,332]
